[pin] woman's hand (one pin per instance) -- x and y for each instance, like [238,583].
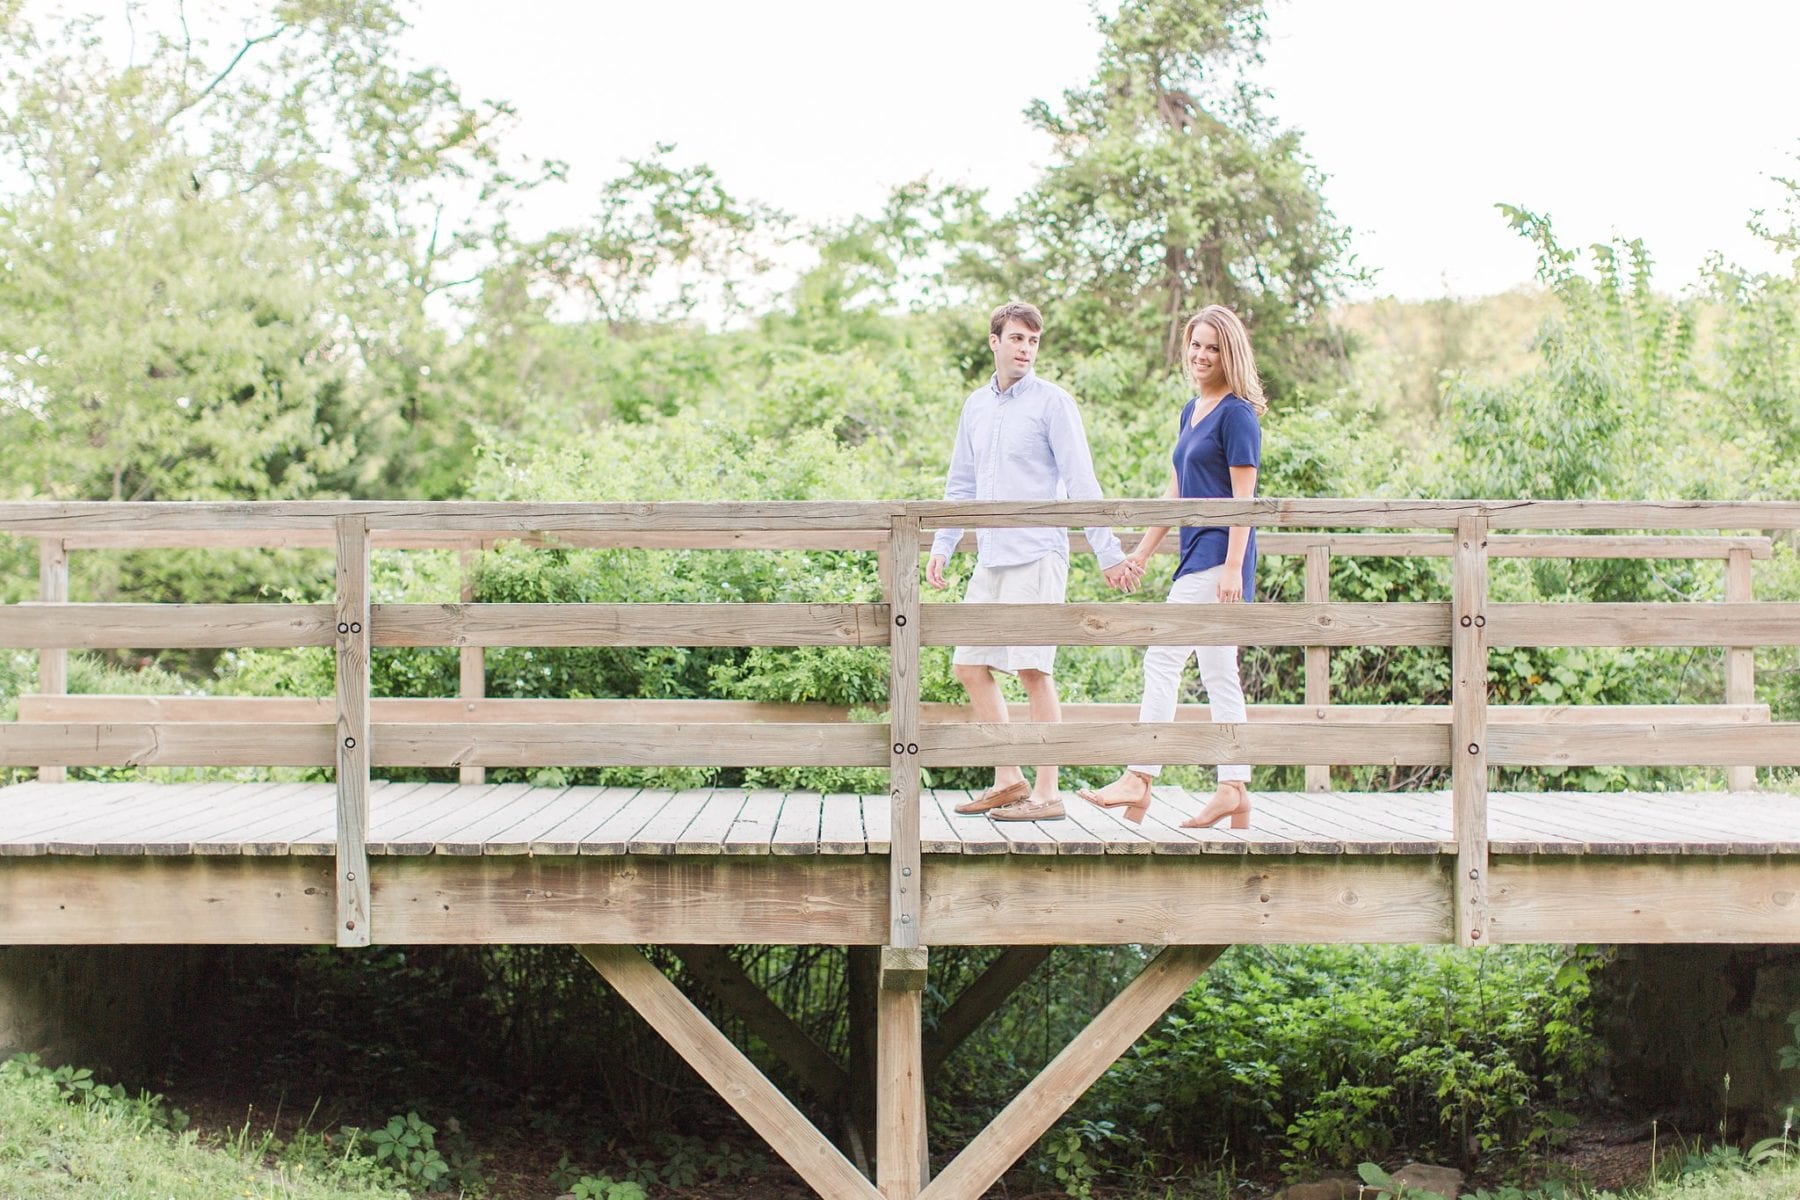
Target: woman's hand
[1231,584]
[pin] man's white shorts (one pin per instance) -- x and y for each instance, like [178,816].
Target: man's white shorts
[1045,581]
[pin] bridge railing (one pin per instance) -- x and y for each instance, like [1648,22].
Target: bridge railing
[353,732]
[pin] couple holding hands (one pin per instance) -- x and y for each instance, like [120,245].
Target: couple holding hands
[1021,438]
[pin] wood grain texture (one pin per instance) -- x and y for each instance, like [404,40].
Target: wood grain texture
[905,757]
[154,626]
[1658,744]
[1740,661]
[1672,899]
[1145,624]
[1317,692]
[1770,623]
[720,744]
[352,749]
[148,901]
[1262,743]
[733,1076]
[1469,727]
[53,665]
[631,624]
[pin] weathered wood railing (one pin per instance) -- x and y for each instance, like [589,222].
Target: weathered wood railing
[354,733]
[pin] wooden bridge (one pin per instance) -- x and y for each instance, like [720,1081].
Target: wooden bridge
[363,861]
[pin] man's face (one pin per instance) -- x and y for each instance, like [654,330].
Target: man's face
[1015,349]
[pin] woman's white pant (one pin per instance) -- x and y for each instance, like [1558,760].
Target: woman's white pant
[1218,673]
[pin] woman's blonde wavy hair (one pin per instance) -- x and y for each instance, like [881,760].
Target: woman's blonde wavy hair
[1240,359]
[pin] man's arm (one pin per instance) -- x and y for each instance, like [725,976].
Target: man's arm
[959,484]
[1075,464]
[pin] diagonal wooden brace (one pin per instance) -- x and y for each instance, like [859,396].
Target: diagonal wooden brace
[732,1075]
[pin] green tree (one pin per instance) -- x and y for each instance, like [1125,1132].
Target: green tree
[1173,188]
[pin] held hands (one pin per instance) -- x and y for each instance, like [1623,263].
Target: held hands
[1125,575]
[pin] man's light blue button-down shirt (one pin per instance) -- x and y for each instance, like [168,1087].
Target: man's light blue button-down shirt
[1026,443]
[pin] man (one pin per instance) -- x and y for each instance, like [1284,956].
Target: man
[1019,439]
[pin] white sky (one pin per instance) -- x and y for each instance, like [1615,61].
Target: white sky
[1645,119]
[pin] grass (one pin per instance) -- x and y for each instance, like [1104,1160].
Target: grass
[56,1148]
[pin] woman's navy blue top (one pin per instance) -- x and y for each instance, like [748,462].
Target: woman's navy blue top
[1228,436]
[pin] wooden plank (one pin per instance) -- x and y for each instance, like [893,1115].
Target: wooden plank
[841,825]
[905,867]
[1132,624]
[734,1077]
[1351,828]
[1114,834]
[797,830]
[706,833]
[420,828]
[662,833]
[393,814]
[941,827]
[614,834]
[1026,837]
[755,825]
[745,624]
[181,836]
[110,626]
[1112,900]
[1722,900]
[272,806]
[579,811]
[1652,745]
[1768,623]
[209,901]
[983,744]
[949,832]
[1046,1098]
[1274,542]
[1261,512]
[712,745]
[1272,830]
[878,823]
[53,665]
[626,899]
[488,518]
[1469,640]
[31,811]
[75,744]
[312,811]
[250,537]
[1740,661]
[125,828]
[114,709]
[497,821]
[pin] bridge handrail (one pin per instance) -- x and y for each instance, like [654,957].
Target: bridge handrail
[1468,624]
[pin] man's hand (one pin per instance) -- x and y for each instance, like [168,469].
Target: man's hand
[934,572]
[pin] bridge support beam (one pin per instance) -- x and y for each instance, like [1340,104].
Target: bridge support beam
[1061,1083]
[732,1075]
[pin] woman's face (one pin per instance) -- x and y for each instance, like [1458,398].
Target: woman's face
[1205,358]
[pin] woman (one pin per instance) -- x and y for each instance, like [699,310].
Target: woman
[1218,448]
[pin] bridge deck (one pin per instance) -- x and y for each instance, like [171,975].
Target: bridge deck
[265,819]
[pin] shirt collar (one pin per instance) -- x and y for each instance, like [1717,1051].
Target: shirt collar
[1018,385]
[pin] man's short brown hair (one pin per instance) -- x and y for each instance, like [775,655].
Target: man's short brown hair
[1016,310]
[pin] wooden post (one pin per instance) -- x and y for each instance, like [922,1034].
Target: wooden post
[1468,726]
[1740,661]
[352,611]
[732,1075]
[472,661]
[1318,658]
[53,665]
[903,715]
[902,1155]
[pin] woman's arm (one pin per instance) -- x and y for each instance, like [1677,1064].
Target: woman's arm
[1154,535]
[1237,540]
